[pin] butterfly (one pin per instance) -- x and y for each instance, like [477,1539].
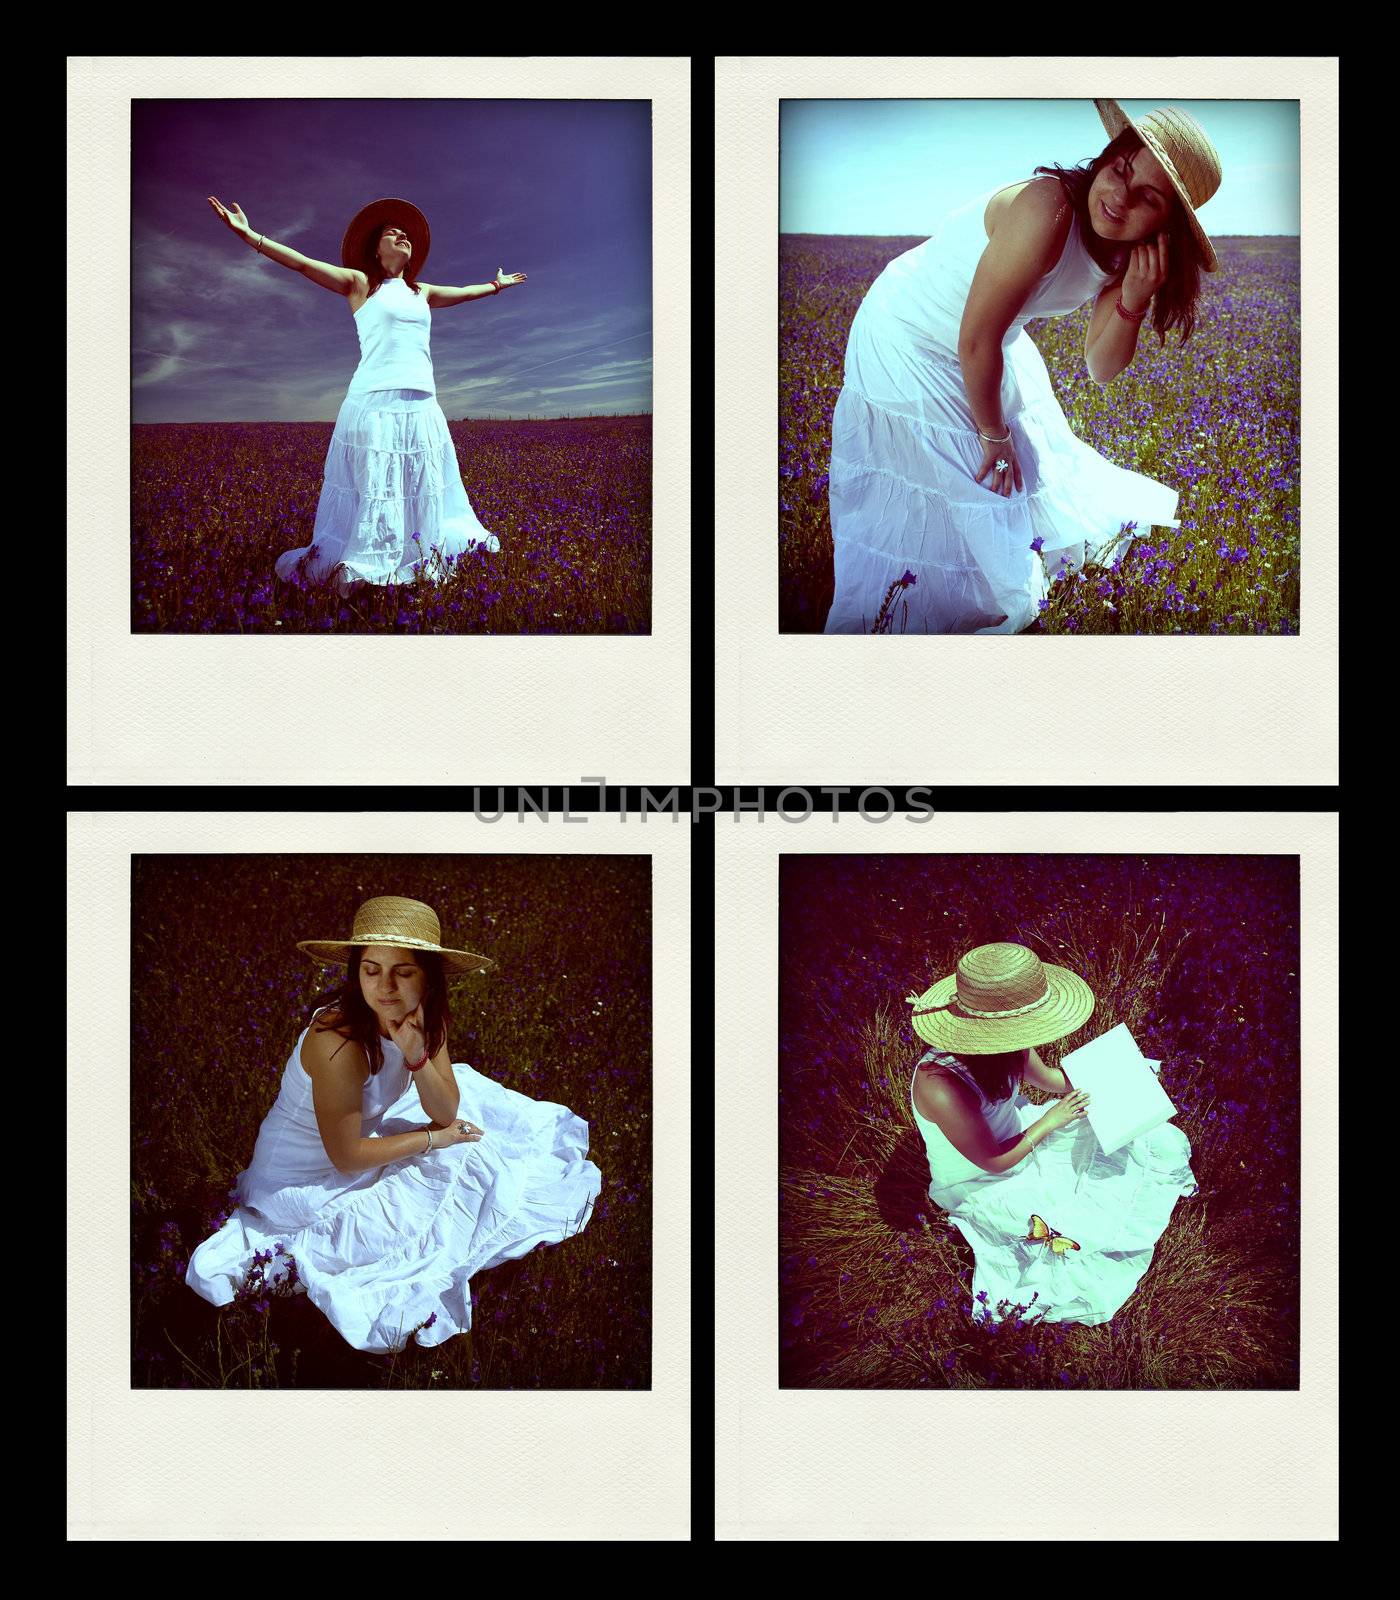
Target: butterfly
[1042,1231]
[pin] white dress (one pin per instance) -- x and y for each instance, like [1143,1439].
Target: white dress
[905,447]
[1115,1207]
[381,1251]
[393,507]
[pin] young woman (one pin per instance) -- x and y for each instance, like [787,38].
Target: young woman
[953,468]
[997,1163]
[388,1217]
[393,508]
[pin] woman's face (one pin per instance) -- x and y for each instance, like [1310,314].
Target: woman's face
[391,981]
[1135,188]
[395,250]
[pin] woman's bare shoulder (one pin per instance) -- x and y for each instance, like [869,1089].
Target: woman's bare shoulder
[328,1040]
[935,1086]
[1044,195]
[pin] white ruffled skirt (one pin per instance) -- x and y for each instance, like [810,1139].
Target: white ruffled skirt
[905,504]
[381,1252]
[393,508]
[1115,1208]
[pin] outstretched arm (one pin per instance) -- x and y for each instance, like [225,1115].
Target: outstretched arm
[439,297]
[340,280]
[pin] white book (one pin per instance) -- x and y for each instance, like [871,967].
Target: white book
[1125,1097]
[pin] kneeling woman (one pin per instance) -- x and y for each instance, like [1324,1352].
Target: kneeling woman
[388,1217]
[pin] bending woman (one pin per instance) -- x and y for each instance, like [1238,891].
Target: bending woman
[393,508]
[957,487]
[388,1218]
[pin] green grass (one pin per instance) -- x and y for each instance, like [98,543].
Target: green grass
[219,995]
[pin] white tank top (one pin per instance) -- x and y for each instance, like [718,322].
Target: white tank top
[948,1165]
[923,293]
[291,1177]
[394,325]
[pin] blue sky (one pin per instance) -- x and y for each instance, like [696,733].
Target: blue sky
[559,190]
[898,166]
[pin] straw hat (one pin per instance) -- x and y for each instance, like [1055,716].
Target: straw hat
[392,920]
[370,220]
[1186,155]
[1002,997]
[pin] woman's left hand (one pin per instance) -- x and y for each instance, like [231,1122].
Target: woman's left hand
[505,279]
[409,1033]
[1147,272]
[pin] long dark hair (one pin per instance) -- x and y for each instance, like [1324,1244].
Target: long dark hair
[1174,304]
[997,1076]
[369,260]
[354,1020]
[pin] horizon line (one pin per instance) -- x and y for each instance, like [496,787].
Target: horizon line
[214,422]
[840,234]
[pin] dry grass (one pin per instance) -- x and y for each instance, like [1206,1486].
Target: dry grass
[876,1282]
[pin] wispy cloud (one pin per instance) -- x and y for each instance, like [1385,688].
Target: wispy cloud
[574,354]
[558,189]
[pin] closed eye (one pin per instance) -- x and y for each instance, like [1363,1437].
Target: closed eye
[1126,173]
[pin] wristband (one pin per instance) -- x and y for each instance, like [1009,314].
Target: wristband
[413,1066]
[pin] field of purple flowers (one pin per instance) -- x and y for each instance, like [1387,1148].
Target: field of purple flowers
[214,504]
[219,995]
[1218,420]
[1198,955]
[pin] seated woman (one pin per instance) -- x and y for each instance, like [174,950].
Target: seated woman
[386,1217]
[1008,1183]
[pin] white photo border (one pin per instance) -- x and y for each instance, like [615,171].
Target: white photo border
[226,709]
[1023,1464]
[258,1465]
[804,709]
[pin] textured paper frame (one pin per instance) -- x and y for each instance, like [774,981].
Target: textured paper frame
[228,709]
[322,1464]
[793,708]
[1024,1464]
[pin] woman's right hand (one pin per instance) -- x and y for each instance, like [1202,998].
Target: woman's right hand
[453,1133]
[1000,482]
[233,216]
[1069,1109]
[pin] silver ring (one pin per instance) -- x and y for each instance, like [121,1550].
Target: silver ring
[1003,466]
